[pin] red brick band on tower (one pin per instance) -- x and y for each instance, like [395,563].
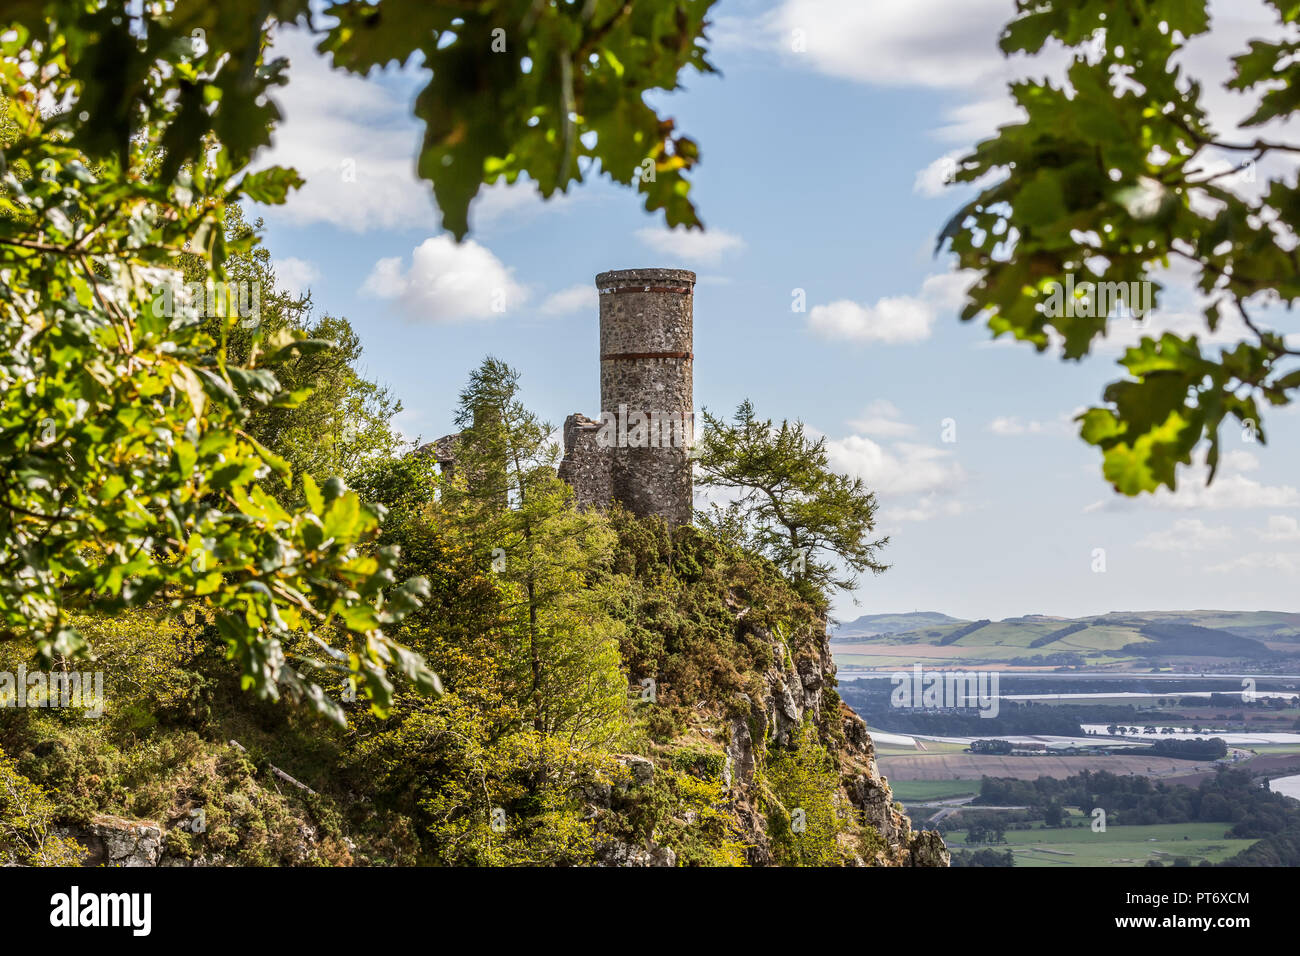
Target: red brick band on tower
[626,356]
[628,289]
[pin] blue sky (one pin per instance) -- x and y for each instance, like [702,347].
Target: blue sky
[823,144]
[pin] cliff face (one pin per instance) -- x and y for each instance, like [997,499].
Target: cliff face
[746,696]
[736,750]
[796,687]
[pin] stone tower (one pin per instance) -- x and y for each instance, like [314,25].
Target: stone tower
[646,342]
[639,452]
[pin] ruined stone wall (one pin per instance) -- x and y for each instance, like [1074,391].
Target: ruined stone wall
[638,451]
[646,359]
[586,464]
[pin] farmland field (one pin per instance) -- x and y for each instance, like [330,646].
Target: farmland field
[1117,846]
[931,747]
[920,791]
[973,766]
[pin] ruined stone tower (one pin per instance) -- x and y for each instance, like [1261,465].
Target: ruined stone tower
[638,453]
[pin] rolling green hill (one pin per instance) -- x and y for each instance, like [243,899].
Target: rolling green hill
[871,625]
[1113,636]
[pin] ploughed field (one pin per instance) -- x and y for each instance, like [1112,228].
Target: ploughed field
[950,766]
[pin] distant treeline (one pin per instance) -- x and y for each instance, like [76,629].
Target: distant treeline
[871,700]
[961,632]
[1202,748]
[1276,849]
[1230,797]
[1058,634]
[1188,640]
[873,706]
[1160,687]
[983,858]
[991,747]
[1236,701]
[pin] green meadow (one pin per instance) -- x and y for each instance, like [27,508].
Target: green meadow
[1117,846]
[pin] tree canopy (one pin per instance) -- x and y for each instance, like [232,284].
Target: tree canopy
[138,426]
[811,522]
[1118,175]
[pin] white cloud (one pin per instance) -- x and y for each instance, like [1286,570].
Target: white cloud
[353,140]
[892,320]
[883,420]
[933,43]
[1012,425]
[1124,333]
[1261,561]
[691,245]
[502,204]
[295,275]
[577,298]
[446,282]
[1231,489]
[903,468]
[911,481]
[925,508]
[1281,528]
[933,180]
[971,122]
[1187,534]
[941,44]
[1237,460]
[936,44]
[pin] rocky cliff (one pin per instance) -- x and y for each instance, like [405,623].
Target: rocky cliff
[795,694]
[745,694]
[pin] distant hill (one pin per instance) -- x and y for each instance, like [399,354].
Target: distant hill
[1260,625]
[1188,640]
[872,625]
[1102,639]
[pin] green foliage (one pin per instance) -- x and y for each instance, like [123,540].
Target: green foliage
[149,457]
[1115,177]
[804,822]
[681,811]
[680,628]
[559,650]
[533,616]
[128,476]
[211,801]
[544,89]
[339,420]
[792,507]
[547,90]
[707,764]
[26,814]
[480,799]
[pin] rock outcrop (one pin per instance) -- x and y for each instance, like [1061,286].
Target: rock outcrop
[740,738]
[795,687]
[113,841]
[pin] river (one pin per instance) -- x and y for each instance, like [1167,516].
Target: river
[1286,785]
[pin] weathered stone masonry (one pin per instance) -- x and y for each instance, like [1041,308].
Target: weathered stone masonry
[646,358]
[638,452]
